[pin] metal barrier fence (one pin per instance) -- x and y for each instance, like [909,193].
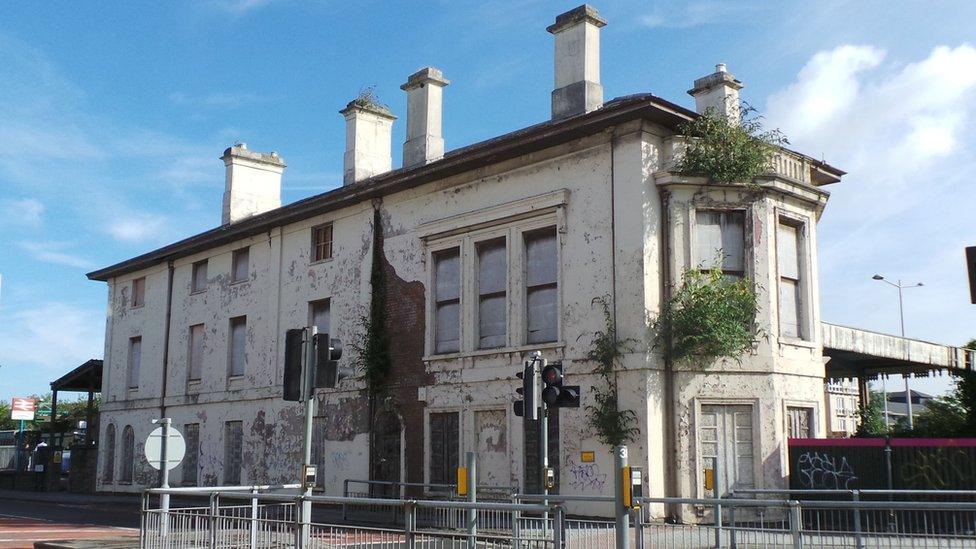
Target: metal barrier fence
[252,518]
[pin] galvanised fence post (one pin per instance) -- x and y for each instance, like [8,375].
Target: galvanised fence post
[795,526]
[410,523]
[559,528]
[212,519]
[858,541]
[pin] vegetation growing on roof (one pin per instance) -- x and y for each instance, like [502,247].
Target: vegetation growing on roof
[368,99]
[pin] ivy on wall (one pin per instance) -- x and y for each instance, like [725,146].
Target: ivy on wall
[373,344]
[727,150]
[613,426]
[709,316]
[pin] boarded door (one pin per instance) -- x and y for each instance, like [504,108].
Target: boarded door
[725,440]
[494,467]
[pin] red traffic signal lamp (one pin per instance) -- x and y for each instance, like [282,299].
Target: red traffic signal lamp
[555,394]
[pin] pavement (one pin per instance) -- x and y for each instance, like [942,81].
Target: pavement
[63,520]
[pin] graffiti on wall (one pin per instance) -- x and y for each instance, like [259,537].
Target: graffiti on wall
[587,477]
[941,469]
[822,471]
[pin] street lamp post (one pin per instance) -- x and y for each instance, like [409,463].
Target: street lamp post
[901,314]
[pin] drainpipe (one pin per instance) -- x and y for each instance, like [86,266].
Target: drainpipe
[169,314]
[670,477]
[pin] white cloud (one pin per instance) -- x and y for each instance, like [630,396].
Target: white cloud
[137,228]
[54,252]
[26,212]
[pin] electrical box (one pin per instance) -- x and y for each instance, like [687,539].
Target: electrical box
[308,476]
[633,488]
[550,477]
[462,481]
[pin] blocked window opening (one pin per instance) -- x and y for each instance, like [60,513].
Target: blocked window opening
[492,300]
[233,452]
[194,359]
[128,454]
[725,444]
[444,441]
[447,301]
[240,265]
[322,242]
[541,287]
[319,314]
[139,292]
[198,282]
[135,361]
[720,240]
[789,236]
[799,422]
[108,466]
[191,460]
[237,359]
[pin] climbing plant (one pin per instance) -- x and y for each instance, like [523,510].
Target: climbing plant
[709,316]
[613,426]
[727,150]
[372,345]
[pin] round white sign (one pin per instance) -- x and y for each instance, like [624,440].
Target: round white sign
[175,448]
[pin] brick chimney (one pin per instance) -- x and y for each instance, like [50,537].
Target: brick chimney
[577,64]
[252,184]
[369,128]
[718,91]
[425,92]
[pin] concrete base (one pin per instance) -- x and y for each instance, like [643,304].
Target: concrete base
[576,98]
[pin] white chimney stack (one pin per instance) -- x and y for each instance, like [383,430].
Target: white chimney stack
[369,134]
[425,92]
[252,184]
[719,92]
[577,75]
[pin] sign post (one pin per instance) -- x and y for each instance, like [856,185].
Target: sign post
[23,409]
[164,450]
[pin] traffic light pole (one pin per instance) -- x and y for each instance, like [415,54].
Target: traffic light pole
[544,452]
[308,391]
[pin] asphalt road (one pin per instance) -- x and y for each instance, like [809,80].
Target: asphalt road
[71,509]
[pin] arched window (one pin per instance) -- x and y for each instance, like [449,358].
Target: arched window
[108,463]
[128,451]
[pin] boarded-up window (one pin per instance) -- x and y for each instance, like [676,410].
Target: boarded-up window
[541,291]
[443,447]
[447,301]
[240,265]
[139,292]
[233,450]
[799,422]
[135,361]
[492,284]
[108,465]
[788,245]
[720,240]
[191,460]
[194,359]
[198,282]
[128,454]
[237,360]
[490,431]
[319,313]
[533,458]
[322,242]
[725,442]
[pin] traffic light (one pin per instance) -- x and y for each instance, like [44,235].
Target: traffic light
[555,394]
[294,350]
[328,351]
[530,391]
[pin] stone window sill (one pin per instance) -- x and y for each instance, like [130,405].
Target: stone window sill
[518,349]
[796,342]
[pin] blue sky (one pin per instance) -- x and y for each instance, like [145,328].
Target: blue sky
[112,119]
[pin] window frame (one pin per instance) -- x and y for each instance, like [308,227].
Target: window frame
[230,452]
[235,257]
[196,455]
[802,225]
[190,380]
[128,458]
[435,303]
[524,235]
[130,367]
[138,290]
[747,252]
[480,296]
[330,244]
[230,347]
[512,228]
[196,265]
[311,311]
[429,440]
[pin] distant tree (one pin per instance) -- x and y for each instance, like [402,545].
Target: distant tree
[871,421]
[950,416]
[5,422]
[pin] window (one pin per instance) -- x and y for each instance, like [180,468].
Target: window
[720,240]
[319,314]
[135,361]
[237,358]
[128,454]
[199,281]
[194,359]
[725,442]
[492,302]
[788,245]
[799,422]
[447,301]
[540,285]
[239,265]
[443,447]
[139,292]
[191,460]
[322,242]
[108,466]
[233,450]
